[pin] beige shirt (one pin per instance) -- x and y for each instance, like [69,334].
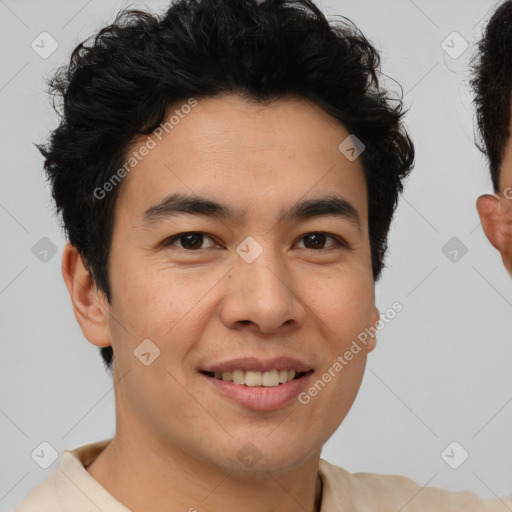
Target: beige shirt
[70,488]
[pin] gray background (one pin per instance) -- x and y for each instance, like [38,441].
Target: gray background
[442,369]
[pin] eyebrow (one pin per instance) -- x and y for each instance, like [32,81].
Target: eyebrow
[175,204]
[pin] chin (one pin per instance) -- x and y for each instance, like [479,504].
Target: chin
[283,462]
[262,454]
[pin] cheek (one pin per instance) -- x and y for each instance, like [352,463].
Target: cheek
[345,309]
[151,299]
[345,306]
[160,304]
[508,219]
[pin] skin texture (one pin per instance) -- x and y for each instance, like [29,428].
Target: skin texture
[177,438]
[495,211]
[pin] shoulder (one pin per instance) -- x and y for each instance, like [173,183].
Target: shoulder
[374,492]
[43,498]
[70,487]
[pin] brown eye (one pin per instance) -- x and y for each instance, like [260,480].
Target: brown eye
[191,241]
[317,240]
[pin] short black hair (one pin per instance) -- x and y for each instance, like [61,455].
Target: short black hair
[491,81]
[120,81]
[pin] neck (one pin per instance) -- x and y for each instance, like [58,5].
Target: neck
[143,475]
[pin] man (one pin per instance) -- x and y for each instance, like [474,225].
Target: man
[227,176]
[492,83]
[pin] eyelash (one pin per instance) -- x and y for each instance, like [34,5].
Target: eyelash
[339,241]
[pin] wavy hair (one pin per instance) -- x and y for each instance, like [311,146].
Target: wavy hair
[119,82]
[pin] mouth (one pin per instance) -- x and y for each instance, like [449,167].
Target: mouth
[257,383]
[267,379]
[261,391]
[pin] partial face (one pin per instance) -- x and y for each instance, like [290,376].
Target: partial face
[496,211]
[241,288]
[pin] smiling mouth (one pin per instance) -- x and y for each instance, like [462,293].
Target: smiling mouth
[269,379]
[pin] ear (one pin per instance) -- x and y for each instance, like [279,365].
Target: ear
[489,210]
[372,340]
[89,303]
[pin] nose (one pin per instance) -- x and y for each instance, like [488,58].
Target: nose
[261,295]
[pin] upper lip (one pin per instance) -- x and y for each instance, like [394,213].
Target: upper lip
[259,365]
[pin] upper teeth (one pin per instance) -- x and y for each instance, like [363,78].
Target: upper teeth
[251,378]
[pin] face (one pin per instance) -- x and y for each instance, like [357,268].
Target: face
[496,211]
[254,283]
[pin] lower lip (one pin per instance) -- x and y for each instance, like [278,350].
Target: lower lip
[259,398]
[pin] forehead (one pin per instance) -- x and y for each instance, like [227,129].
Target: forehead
[237,151]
